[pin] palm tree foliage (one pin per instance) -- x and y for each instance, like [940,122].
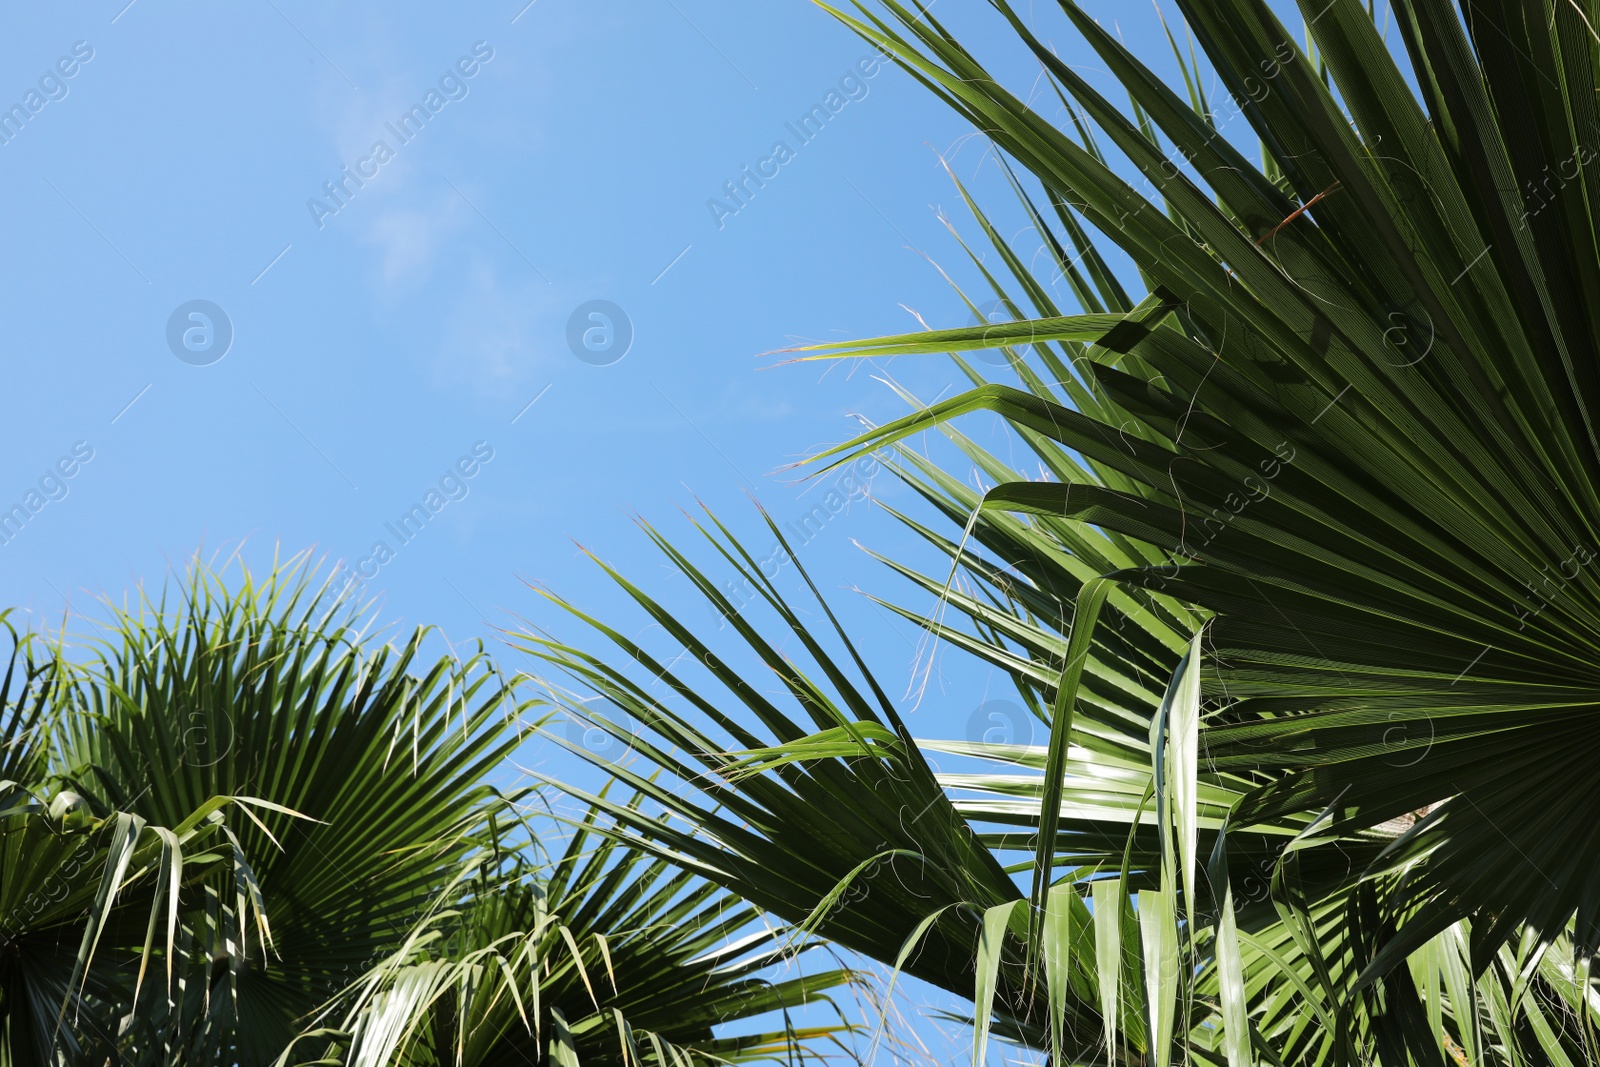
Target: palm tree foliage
[77,875]
[1302,589]
[602,956]
[222,828]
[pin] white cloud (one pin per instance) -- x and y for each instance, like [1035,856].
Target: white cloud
[410,238]
[501,332]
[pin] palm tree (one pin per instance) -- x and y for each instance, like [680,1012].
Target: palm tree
[1304,594]
[241,817]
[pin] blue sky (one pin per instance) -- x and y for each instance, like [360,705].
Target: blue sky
[413,322]
[381,335]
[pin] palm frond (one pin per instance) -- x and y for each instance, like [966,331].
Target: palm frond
[1367,445]
[606,953]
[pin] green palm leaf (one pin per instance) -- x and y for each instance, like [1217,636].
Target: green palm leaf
[605,954]
[369,763]
[1394,540]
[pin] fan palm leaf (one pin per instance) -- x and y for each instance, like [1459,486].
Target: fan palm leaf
[1364,389]
[373,761]
[89,895]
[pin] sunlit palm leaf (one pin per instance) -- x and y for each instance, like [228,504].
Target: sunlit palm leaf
[1373,456]
[611,952]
